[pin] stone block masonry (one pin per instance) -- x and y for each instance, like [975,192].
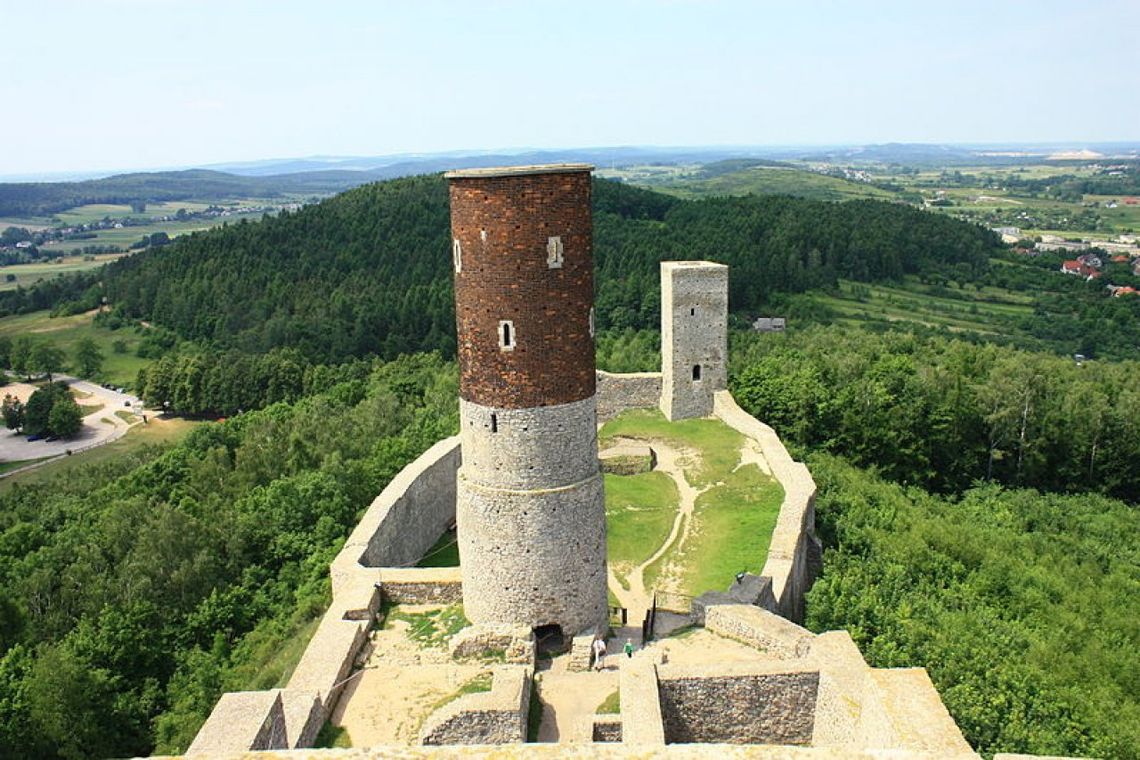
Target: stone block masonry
[694,337]
[734,706]
[494,717]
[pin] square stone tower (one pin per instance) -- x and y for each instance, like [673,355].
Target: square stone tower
[694,336]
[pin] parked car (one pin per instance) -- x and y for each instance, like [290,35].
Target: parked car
[35,437]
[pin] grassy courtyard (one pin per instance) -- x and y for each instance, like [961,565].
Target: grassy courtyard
[731,522]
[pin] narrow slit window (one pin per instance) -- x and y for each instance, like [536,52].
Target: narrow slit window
[457,254]
[692,311]
[494,422]
[554,252]
[696,372]
[506,335]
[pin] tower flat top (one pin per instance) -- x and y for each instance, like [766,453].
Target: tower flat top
[511,171]
[692,265]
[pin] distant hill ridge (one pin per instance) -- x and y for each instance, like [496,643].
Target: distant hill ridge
[367,272]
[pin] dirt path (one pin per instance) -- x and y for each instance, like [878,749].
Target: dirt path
[570,699]
[399,685]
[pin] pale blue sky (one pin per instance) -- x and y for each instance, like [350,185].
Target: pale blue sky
[120,84]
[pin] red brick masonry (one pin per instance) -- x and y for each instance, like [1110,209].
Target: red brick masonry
[503,220]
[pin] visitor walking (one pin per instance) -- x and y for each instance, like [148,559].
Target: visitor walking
[599,653]
[628,648]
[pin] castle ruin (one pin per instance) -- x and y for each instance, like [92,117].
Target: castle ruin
[522,483]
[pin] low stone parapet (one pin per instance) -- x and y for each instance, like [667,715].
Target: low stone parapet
[329,657]
[246,720]
[640,701]
[793,542]
[497,716]
[759,628]
[403,522]
[421,585]
[514,643]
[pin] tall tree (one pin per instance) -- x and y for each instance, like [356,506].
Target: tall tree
[88,357]
[47,358]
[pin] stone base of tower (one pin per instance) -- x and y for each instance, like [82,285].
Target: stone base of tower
[534,557]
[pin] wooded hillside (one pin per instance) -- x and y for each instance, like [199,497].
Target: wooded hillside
[367,272]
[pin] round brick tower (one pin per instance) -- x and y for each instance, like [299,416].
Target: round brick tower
[530,506]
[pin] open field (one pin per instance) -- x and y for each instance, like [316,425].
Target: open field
[687,182]
[27,275]
[66,332]
[989,311]
[156,431]
[126,236]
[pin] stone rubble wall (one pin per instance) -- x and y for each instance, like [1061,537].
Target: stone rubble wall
[607,728]
[516,642]
[590,751]
[759,628]
[421,585]
[793,539]
[497,716]
[632,390]
[738,705]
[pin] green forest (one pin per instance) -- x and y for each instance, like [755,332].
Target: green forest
[1021,605]
[976,493]
[361,273]
[134,593]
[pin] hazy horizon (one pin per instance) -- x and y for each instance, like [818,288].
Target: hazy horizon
[129,85]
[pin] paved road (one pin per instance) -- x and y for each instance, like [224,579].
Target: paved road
[99,427]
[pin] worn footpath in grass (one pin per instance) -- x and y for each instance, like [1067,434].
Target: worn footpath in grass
[716,445]
[639,515]
[732,527]
[732,520]
[66,332]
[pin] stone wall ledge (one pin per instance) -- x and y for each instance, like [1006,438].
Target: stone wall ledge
[759,628]
[369,544]
[788,562]
[497,716]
